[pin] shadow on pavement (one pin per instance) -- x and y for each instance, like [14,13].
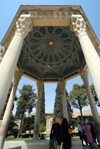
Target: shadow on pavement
[19,147]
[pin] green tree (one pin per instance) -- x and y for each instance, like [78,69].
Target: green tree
[42,108]
[12,124]
[42,128]
[70,110]
[78,97]
[58,107]
[29,123]
[94,94]
[90,119]
[26,102]
[74,123]
[8,98]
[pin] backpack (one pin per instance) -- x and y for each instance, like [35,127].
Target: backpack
[53,143]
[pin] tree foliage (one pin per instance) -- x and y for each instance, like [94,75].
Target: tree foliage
[90,119]
[74,123]
[12,124]
[42,128]
[94,94]
[26,102]
[58,107]
[78,97]
[8,99]
[42,108]
[29,123]
[70,110]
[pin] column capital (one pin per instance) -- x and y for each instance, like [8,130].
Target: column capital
[24,24]
[39,86]
[84,77]
[62,83]
[2,52]
[17,77]
[78,24]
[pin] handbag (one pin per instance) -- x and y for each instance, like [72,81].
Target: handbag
[53,143]
[69,130]
[61,147]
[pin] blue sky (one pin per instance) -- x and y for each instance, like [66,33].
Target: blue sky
[8,9]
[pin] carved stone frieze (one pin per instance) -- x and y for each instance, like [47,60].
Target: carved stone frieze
[84,76]
[98,50]
[93,39]
[51,14]
[78,24]
[62,85]
[39,86]
[24,24]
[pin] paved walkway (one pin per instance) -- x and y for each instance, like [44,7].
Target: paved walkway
[18,144]
[12,144]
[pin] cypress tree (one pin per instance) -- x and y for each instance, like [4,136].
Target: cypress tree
[58,107]
[70,110]
[42,108]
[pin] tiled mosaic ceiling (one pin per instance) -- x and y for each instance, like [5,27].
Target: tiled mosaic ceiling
[51,52]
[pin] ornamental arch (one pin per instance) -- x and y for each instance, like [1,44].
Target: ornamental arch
[49,44]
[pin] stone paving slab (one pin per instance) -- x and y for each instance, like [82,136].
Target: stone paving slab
[12,144]
[18,144]
[87,147]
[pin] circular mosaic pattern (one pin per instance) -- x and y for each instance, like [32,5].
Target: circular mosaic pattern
[50,43]
[51,52]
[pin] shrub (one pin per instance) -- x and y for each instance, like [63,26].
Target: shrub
[42,136]
[15,131]
[10,137]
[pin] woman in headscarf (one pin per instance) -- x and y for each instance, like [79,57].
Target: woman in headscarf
[66,135]
[56,131]
[87,129]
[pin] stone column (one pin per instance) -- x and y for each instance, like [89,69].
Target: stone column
[91,56]
[9,61]
[62,86]
[84,76]
[37,116]
[6,117]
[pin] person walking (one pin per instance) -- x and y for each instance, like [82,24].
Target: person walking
[66,135]
[84,134]
[80,133]
[93,135]
[56,131]
[87,129]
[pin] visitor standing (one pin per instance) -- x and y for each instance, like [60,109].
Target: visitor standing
[56,131]
[66,135]
[84,134]
[93,134]
[80,132]
[87,129]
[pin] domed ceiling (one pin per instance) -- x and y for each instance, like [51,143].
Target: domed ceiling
[51,52]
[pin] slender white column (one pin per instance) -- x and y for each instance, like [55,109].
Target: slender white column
[91,56]
[6,118]
[62,86]
[9,61]
[37,116]
[84,76]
